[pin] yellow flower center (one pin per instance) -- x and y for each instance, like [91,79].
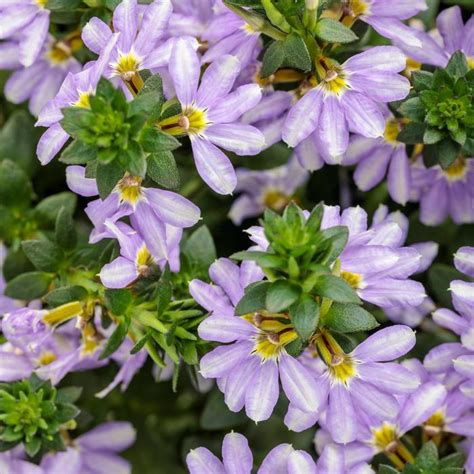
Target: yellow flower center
[193,121]
[47,358]
[332,77]
[90,339]
[276,200]
[59,53]
[470,62]
[84,101]
[274,334]
[129,188]
[341,366]
[386,439]
[143,260]
[41,3]
[353,279]
[457,171]
[392,129]
[358,7]
[433,426]
[127,66]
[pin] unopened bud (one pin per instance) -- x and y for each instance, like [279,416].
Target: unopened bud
[312,5]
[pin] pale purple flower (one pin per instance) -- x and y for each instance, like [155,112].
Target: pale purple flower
[6,304]
[273,188]
[252,358]
[385,17]
[40,82]
[358,385]
[348,98]
[237,458]
[10,463]
[191,18]
[210,112]
[227,33]
[94,452]
[140,46]
[74,92]
[452,35]
[411,315]
[375,156]
[444,193]
[157,215]
[27,22]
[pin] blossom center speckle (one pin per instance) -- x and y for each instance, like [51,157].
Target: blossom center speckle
[129,188]
[193,121]
[276,200]
[353,279]
[127,66]
[457,171]
[59,53]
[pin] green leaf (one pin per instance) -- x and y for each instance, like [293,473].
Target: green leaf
[433,135]
[304,315]
[200,248]
[264,259]
[427,458]
[68,394]
[413,109]
[48,209]
[347,318]
[333,31]
[28,286]
[189,353]
[412,133]
[422,80]
[281,294]
[216,415]
[336,289]
[386,469]
[43,254]
[457,66]
[135,161]
[76,120]
[447,151]
[66,412]
[273,58]
[313,224]
[15,186]
[65,231]
[67,5]
[118,301]
[32,447]
[164,292]
[275,16]
[331,242]
[453,460]
[64,295]
[78,153]
[254,299]
[108,175]
[116,339]
[140,344]
[296,53]
[156,141]
[162,169]
[149,100]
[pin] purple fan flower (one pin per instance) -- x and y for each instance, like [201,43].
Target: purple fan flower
[75,91]
[229,34]
[444,192]
[359,384]
[385,17]
[454,36]
[273,188]
[374,262]
[26,21]
[376,436]
[134,261]
[140,43]
[348,98]
[374,156]
[210,113]
[10,463]
[252,359]
[95,451]
[237,459]
[41,81]
[459,356]
[191,18]
[157,215]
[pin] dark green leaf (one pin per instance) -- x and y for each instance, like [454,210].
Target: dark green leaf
[296,53]
[413,109]
[43,254]
[115,340]
[432,136]
[135,162]
[386,469]
[65,231]
[48,209]
[140,344]
[281,294]
[333,31]
[66,412]
[453,460]
[200,248]
[447,151]
[336,289]
[254,299]
[64,295]
[412,133]
[162,169]
[78,153]
[15,186]
[273,58]
[427,458]
[422,80]
[28,286]
[156,141]
[67,5]
[348,318]
[108,175]
[118,301]
[32,447]
[264,259]
[457,66]
[68,394]
[304,315]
